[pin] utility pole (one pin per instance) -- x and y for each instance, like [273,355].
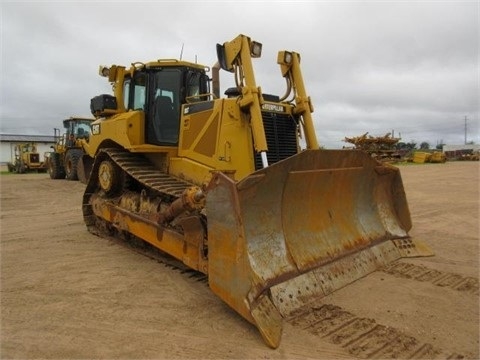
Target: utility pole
[465,129]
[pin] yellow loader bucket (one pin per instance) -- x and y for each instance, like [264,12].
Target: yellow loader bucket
[301,229]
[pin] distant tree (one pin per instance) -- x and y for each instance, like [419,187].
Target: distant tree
[405,146]
[424,145]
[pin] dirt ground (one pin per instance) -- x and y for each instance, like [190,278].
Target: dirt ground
[67,294]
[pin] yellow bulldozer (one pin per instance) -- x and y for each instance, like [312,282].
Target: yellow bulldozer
[225,185]
[62,162]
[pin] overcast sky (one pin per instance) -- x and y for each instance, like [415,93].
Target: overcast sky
[411,67]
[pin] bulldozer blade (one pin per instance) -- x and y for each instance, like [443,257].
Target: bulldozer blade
[84,168]
[302,228]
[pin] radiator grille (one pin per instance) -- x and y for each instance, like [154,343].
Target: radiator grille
[34,158]
[281,134]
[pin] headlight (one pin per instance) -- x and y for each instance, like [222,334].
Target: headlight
[256,49]
[104,71]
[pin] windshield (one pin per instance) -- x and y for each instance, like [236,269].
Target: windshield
[80,129]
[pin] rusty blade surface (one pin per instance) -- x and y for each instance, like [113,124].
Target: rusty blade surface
[302,228]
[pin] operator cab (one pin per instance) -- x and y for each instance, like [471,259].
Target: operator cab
[76,128]
[160,93]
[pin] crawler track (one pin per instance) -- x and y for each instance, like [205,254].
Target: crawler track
[145,249]
[138,168]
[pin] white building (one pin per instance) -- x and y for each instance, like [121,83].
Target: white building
[8,142]
[473,147]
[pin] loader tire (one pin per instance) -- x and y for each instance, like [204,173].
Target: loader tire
[20,169]
[71,162]
[55,168]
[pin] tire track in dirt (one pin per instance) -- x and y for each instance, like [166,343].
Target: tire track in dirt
[364,337]
[436,277]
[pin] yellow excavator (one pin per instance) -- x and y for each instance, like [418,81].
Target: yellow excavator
[236,187]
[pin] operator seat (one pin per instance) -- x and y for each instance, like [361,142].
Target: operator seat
[80,133]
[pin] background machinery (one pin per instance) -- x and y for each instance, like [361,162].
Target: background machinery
[63,160]
[223,185]
[382,148]
[26,159]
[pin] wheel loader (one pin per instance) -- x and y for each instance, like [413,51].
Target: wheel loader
[62,162]
[236,186]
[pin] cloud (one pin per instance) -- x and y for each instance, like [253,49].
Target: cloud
[411,67]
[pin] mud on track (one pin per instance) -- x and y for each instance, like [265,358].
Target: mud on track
[68,294]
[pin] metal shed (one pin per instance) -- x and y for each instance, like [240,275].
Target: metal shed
[8,142]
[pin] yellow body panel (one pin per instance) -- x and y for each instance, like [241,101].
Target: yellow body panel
[217,139]
[126,129]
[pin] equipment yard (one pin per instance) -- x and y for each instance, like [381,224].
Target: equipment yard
[68,294]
